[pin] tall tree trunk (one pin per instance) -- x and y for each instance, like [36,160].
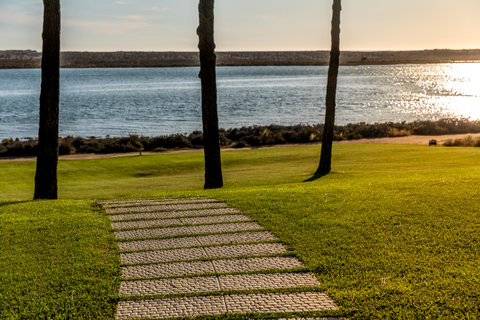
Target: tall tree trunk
[47,159]
[327,140]
[211,137]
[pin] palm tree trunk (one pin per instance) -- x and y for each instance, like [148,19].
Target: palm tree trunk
[211,138]
[327,139]
[47,159]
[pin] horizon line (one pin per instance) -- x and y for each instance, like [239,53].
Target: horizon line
[247,51]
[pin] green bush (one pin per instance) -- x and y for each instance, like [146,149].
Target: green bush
[254,136]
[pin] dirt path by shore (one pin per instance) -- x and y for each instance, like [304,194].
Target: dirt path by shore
[441,139]
[421,140]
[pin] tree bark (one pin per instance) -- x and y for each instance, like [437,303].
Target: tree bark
[327,139]
[211,137]
[47,159]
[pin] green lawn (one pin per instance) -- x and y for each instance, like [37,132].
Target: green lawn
[57,261]
[393,232]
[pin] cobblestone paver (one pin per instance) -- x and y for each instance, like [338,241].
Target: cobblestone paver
[198,253]
[171,308]
[187,230]
[135,203]
[168,243]
[169,286]
[164,252]
[145,223]
[211,284]
[256,264]
[168,269]
[227,238]
[110,203]
[245,250]
[215,219]
[162,256]
[217,305]
[167,207]
[279,302]
[167,222]
[267,281]
[205,267]
[171,243]
[172,214]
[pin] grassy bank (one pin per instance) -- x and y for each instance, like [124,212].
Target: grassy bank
[393,232]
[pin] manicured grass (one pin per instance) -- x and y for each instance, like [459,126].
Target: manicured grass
[57,261]
[393,232]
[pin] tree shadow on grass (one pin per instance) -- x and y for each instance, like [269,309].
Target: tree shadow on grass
[315,177]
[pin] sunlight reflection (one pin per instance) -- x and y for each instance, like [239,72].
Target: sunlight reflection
[455,88]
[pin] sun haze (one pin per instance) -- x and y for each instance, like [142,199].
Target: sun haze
[169,25]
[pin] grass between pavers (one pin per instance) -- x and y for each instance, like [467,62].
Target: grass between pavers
[393,232]
[57,261]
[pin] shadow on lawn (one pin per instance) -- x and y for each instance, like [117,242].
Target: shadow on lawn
[315,177]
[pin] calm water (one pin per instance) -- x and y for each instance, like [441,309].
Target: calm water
[157,101]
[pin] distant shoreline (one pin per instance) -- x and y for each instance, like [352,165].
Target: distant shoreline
[28,59]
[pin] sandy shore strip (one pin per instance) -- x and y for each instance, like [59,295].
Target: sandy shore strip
[441,139]
[419,140]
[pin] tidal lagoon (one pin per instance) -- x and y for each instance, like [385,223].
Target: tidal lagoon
[160,101]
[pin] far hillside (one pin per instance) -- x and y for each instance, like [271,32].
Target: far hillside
[122,59]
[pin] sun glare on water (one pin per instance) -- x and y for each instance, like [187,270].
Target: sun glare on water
[456,89]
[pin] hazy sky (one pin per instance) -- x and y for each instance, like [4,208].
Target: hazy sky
[169,25]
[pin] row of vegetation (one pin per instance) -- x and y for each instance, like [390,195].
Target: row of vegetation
[466,142]
[254,136]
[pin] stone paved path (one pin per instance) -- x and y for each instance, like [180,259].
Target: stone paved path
[199,257]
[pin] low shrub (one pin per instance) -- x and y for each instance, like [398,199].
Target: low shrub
[466,142]
[253,136]
[196,138]
[17,148]
[238,145]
